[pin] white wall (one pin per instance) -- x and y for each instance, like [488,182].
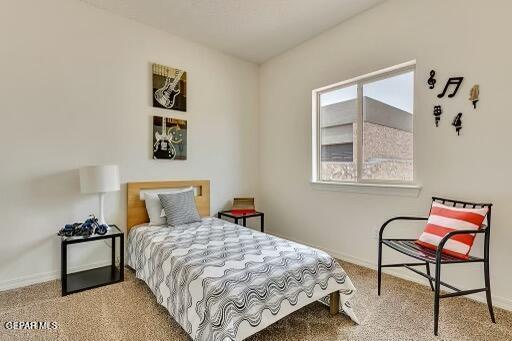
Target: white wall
[456,37]
[75,85]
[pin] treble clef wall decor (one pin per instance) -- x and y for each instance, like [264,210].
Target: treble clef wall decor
[432,81]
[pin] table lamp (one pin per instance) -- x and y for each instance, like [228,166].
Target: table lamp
[99,179]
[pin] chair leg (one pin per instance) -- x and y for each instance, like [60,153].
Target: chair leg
[436,298]
[488,291]
[379,270]
[427,265]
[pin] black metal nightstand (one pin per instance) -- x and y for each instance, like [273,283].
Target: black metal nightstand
[93,278]
[244,216]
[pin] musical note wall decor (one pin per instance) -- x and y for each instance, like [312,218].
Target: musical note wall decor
[456,81]
[457,123]
[432,81]
[437,114]
[474,95]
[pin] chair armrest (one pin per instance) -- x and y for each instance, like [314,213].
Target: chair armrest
[381,231]
[445,239]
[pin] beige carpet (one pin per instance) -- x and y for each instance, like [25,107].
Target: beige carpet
[128,311]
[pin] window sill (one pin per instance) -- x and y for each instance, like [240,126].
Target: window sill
[402,190]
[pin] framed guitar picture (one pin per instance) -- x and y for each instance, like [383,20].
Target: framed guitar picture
[169,88]
[169,138]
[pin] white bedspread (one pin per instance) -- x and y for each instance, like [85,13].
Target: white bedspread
[222,281]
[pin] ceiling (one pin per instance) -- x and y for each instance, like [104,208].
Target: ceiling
[254,30]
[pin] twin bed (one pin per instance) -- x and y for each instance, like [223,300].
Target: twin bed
[222,281]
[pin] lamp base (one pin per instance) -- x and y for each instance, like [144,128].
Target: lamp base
[101,218]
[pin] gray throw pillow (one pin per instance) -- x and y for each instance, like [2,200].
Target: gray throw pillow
[180,208]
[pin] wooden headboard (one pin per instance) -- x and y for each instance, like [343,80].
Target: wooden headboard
[136,209]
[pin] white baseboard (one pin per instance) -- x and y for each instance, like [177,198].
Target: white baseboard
[498,301]
[24,281]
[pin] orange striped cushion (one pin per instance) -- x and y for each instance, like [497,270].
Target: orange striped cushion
[444,219]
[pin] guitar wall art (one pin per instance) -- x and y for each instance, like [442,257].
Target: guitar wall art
[169,88]
[169,138]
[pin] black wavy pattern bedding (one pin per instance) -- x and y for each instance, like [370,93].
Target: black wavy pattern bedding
[222,281]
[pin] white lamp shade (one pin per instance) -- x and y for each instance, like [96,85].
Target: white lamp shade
[99,179]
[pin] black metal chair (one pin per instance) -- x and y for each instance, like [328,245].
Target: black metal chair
[428,256]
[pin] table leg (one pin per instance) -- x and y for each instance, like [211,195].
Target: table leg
[113,262]
[64,268]
[121,258]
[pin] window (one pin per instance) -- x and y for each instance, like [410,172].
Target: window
[363,128]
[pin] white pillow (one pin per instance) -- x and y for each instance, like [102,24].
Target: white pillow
[143,192]
[154,207]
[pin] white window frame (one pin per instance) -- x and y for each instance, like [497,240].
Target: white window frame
[316,144]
